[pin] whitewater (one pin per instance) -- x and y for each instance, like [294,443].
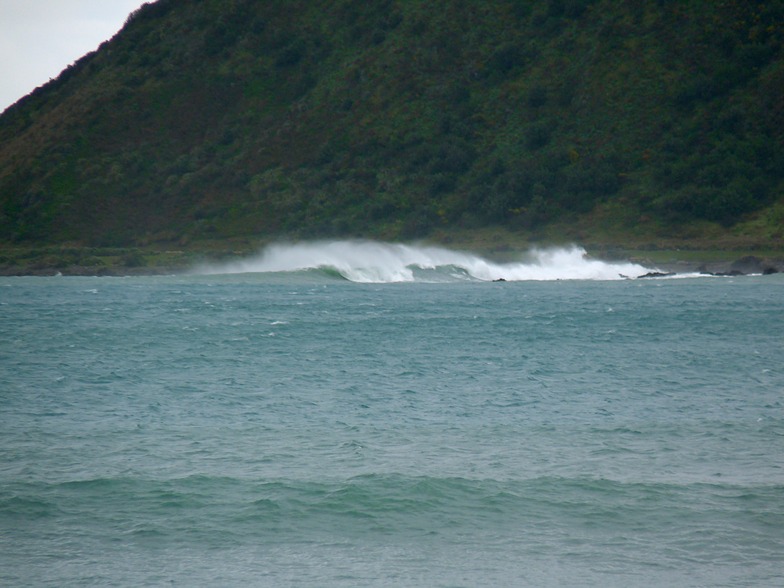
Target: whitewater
[352,414]
[376,262]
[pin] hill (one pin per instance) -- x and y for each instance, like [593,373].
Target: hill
[599,121]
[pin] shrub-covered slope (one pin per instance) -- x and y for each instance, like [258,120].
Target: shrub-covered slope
[206,119]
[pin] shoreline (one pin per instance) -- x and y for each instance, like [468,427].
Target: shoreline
[92,261]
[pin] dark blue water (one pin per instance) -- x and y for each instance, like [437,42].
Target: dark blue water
[298,429]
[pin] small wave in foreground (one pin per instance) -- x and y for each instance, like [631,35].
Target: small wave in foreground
[377,262]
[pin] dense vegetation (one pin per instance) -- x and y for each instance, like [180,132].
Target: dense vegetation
[208,119]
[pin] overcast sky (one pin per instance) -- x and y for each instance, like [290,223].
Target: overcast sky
[40,38]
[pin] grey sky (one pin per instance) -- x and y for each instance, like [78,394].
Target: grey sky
[40,38]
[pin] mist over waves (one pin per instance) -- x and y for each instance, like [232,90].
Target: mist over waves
[379,262]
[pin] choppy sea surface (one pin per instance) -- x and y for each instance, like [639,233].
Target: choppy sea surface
[369,415]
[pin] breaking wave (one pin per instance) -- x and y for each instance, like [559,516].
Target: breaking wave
[376,262]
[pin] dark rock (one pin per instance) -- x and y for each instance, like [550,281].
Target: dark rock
[747,265]
[656,275]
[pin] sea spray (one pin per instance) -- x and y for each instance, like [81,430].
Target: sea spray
[378,262]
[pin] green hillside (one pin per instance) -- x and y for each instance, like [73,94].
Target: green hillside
[207,120]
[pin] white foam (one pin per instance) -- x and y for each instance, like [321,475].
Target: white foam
[377,262]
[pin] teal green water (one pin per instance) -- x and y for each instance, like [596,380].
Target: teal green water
[299,429]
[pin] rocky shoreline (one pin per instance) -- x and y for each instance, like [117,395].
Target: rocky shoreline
[743,266]
[178,262]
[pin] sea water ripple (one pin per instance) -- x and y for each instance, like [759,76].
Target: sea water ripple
[296,429]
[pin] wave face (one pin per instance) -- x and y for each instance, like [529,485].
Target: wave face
[377,262]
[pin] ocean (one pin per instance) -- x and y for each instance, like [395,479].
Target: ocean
[364,414]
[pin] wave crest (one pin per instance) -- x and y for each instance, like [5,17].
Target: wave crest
[378,262]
